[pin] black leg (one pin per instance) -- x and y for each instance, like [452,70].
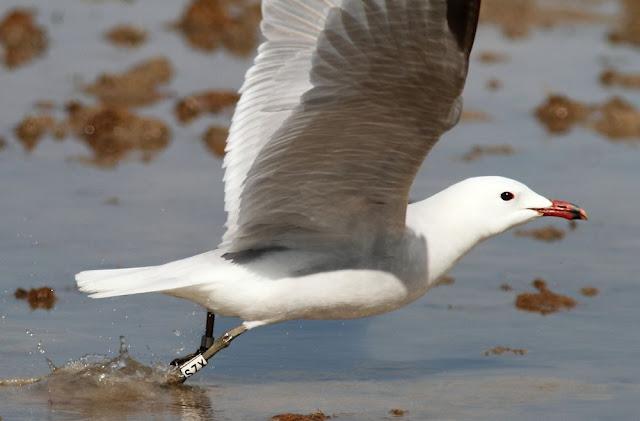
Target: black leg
[205,343]
[207,338]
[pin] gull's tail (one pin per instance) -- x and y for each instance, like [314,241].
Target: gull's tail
[179,274]
[114,282]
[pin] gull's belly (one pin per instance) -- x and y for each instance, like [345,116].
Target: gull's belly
[342,294]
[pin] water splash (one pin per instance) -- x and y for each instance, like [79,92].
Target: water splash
[98,385]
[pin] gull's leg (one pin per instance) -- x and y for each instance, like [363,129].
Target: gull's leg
[199,361]
[207,338]
[206,341]
[223,341]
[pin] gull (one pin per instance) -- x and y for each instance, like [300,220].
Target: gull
[343,102]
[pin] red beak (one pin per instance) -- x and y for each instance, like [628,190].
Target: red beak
[562,209]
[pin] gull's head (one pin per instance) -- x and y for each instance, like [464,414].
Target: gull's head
[496,204]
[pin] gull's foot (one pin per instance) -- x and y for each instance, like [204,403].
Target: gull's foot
[192,363]
[205,343]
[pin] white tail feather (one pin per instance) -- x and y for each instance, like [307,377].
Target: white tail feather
[178,274]
[114,282]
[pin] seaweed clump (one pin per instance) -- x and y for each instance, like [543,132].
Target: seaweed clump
[544,301]
[548,234]
[22,39]
[501,350]
[517,18]
[397,412]
[479,151]
[559,113]
[112,133]
[34,127]
[616,119]
[136,86]
[128,36]
[611,77]
[212,102]
[315,416]
[215,139]
[589,291]
[231,24]
[628,31]
[38,298]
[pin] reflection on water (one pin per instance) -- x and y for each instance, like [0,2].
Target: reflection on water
[99,387]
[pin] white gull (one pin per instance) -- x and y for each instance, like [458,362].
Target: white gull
[344,101]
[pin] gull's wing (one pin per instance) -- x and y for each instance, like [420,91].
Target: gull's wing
[344,101]
[279,76]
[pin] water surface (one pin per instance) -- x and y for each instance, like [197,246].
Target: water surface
[427,358]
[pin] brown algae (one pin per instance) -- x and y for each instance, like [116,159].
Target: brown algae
[544,301]
[315,416]
[501,350]
[548,234]
[38,298]
[137,86]
[21,38]
[128,36]
[212,102]
[231,24]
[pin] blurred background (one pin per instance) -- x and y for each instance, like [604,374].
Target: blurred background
[113,118]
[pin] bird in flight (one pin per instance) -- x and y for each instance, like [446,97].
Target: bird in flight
[343,102]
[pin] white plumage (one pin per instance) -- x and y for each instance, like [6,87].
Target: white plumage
[344,101]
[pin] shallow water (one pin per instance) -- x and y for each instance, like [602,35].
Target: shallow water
[427,358]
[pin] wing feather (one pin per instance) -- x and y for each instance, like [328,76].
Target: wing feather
[272,88]
[344,101]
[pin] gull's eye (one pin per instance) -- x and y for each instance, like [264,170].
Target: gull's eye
[506,196]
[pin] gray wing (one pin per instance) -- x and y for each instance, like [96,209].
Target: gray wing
[383,83]
[272,89]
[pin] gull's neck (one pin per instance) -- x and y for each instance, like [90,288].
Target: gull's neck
[449,230]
